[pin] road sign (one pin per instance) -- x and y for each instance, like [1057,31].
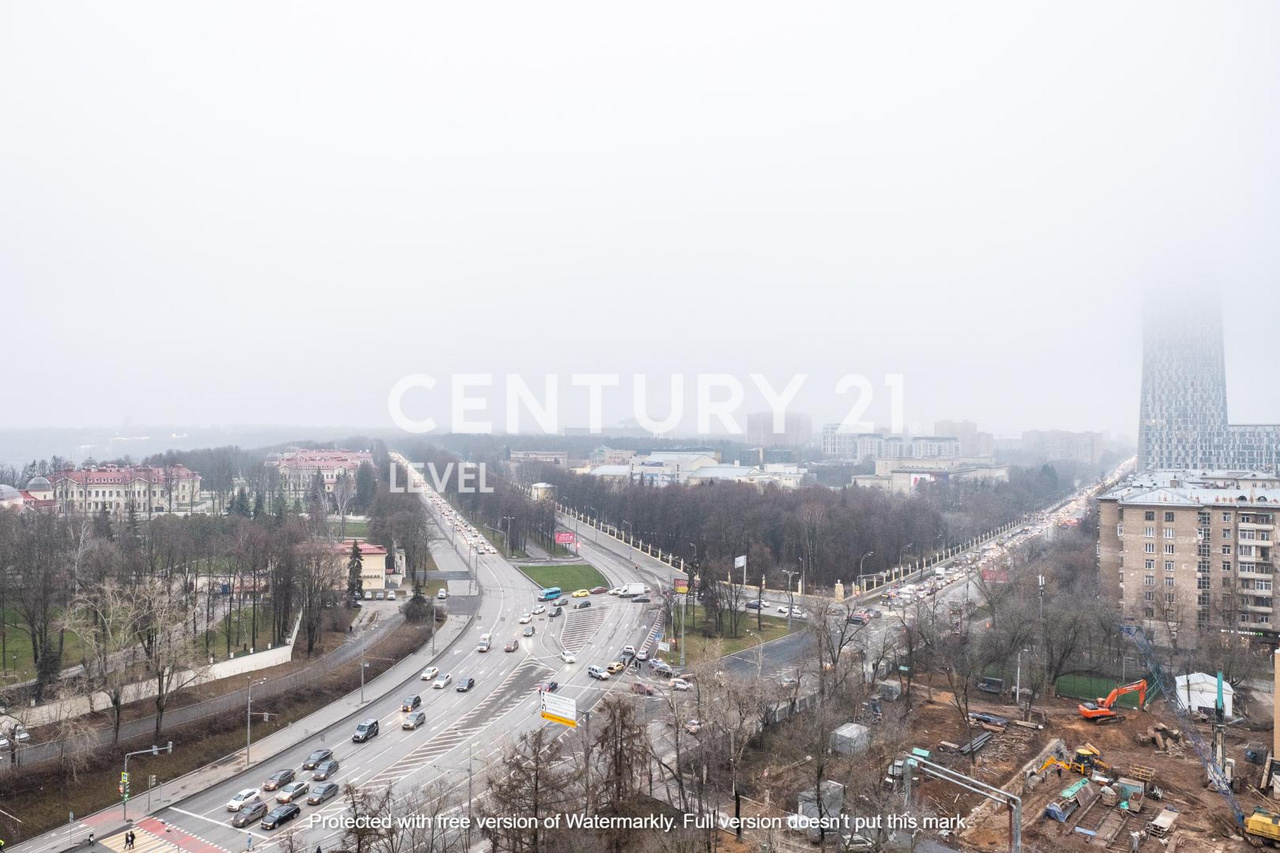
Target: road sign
[664,647]
[564,537]
[560,709]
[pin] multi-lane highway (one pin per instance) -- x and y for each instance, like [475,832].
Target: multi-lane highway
[463,732]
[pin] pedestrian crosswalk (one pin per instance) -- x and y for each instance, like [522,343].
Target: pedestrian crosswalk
[152,835]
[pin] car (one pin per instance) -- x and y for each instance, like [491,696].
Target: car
[581,593]
[324,770]
[693,727]
[554,613]
[411,703]
[615,667]
[414,720]
[442,682]
[642,655]
[364,731]
[249,812]
[540,609]
[511,646]
[629,650]
[789,681]
[526,618]
[640,599]
[752,605]
[617,590]
[680,684]
[595,671]
[292,791]
[528,631]
[782,609]
[641,688]
[280,815]
[465,684]
[322,792]
[368,595]
[599,590]
[442,594]
[277,780]
[548,687]
[243,798]
[391,595]
[581,605]
[430,673]
[316,757]
[568,657]
[562,601]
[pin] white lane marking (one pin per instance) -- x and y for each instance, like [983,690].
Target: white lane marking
[216,822]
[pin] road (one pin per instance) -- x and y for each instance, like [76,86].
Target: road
[463,730]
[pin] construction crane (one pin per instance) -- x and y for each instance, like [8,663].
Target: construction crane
[1101,712]
[1218,779]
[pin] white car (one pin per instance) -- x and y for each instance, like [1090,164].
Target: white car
[642,655]
[567,657]
[526,619]
[540,609]
[680,684]
[242,799]
[430,672]
[442,682]
[629,650]
[17,733]
[617,590]
[782,608]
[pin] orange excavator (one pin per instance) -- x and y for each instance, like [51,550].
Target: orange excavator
[1101,712]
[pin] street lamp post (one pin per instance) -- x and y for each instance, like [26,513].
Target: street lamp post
[595,526]
[860,574]
[790,573]
[248,720]
[630,537]
[508,519]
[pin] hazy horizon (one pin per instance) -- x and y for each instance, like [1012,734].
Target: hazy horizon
[267,215]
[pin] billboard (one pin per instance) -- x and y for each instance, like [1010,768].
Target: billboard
[681,586]
[564,537]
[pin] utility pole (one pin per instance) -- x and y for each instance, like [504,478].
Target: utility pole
[790,573]
[362,666]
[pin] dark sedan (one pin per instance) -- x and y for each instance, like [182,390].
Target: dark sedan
[277,780]
[281,815]
[322,792]
[249,813]
[325,769]
[465,684]
[316,757]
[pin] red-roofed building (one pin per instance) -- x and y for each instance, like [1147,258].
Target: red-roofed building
[172,488]
[375,563]
[298,468]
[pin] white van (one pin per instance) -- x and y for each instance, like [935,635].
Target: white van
[485,642]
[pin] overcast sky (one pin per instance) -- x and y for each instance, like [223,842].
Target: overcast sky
[269,213]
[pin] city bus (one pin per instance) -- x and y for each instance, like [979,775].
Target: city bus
[551,593]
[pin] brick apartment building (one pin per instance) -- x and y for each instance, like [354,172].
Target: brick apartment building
[1179,551]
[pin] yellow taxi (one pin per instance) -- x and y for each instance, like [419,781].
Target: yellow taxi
[581,593]
[615,667]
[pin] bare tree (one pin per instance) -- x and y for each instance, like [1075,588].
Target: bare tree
[108,622]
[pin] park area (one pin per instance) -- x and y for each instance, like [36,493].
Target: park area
[568,577]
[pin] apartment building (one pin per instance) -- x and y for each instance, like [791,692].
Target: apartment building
[797,430]
[1179,552]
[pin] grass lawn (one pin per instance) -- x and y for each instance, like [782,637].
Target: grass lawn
[568,578]
[700,648]
[239,625]
[16,639]
[355,529]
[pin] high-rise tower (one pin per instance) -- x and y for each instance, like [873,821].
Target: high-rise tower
[1183,416]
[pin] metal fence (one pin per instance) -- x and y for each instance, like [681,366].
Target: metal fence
[34,755]
[1093,686]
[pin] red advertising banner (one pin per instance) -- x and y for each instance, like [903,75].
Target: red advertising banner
[564,537]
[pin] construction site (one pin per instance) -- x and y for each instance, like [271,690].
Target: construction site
[1136,770]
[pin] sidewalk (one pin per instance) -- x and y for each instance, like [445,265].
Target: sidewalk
[107,821]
